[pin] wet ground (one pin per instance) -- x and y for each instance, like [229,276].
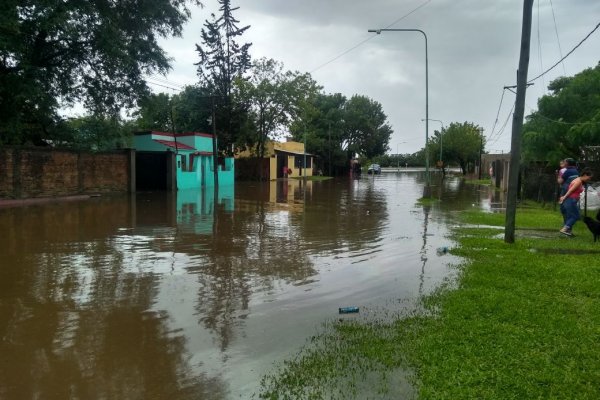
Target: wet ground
[196,295]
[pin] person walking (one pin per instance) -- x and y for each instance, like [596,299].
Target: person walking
[568,171]
[570,201]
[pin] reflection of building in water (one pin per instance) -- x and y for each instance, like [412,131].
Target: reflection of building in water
[292,192]
[196,208]
[191,210]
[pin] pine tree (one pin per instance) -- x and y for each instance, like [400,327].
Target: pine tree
[222,60]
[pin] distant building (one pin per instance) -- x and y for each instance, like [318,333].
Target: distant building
[167,161]
[496,166]
[281,160]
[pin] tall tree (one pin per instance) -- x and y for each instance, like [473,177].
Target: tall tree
[321,124]
[366,130]
[223,60]
[275,98]
[567,119]
[187,111]
[97,132]
[463,143]
[56,53]
[155,113]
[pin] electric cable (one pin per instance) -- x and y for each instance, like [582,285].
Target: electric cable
[540,45]
[499,134]
[567,55]
[497,114]
[557,38]
[369,38]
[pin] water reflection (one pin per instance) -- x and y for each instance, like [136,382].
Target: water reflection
[195,294]
[75,316]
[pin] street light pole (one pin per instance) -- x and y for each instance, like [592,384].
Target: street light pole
[427,191]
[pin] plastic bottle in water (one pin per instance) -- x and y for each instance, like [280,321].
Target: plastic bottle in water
[442,250]
[348,310]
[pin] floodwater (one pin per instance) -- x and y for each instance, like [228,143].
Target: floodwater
[193,295]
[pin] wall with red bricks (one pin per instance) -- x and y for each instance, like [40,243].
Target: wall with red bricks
[33,172]
[6,173]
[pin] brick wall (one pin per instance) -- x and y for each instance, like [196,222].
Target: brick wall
[6,173]
[40,172]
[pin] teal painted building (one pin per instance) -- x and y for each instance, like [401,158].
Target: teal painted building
[188,160]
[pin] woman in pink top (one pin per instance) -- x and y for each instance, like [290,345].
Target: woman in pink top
[570,201]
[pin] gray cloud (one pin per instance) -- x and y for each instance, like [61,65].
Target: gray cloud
[473,52]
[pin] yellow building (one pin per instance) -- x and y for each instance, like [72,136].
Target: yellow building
[283,156]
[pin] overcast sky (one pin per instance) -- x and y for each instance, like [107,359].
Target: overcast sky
[473,48]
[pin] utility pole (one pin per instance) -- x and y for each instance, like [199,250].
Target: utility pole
[329,132]
[173,126]
[214,146]
[517,127]
[480,150]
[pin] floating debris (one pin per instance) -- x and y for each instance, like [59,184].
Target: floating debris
[348,310]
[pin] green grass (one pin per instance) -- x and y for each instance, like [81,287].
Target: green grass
[519,323]
[313,178]
[479,181]
[427,201]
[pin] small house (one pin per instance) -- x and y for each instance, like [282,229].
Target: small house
[167,161]
[281,160]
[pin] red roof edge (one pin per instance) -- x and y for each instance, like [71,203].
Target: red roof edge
[175,145]
[170,134]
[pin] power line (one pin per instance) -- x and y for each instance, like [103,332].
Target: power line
[499,134]
[371,37]
[535,113]
[164,86]
[557,38]
[497,114]
[540,43]
[161,79]
[567,55]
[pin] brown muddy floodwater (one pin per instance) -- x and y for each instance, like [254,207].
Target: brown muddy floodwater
[176,296]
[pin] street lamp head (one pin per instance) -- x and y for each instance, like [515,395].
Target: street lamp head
[377,31]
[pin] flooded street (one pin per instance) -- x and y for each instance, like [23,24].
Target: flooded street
[193,295]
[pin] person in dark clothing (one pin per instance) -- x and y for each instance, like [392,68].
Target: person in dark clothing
[568,175]
[564,179]
[570,200]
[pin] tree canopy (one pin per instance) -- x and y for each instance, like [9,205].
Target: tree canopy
[366,131]
[461,143]
[274,98]
[567,119]
[57,53]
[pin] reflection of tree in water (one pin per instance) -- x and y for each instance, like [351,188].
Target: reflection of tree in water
[250,253]
[457,193]
[243,252]
[359,218]
[72,315]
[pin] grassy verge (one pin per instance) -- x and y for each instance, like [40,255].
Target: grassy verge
[479,181]
[523,321]
[313,178]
